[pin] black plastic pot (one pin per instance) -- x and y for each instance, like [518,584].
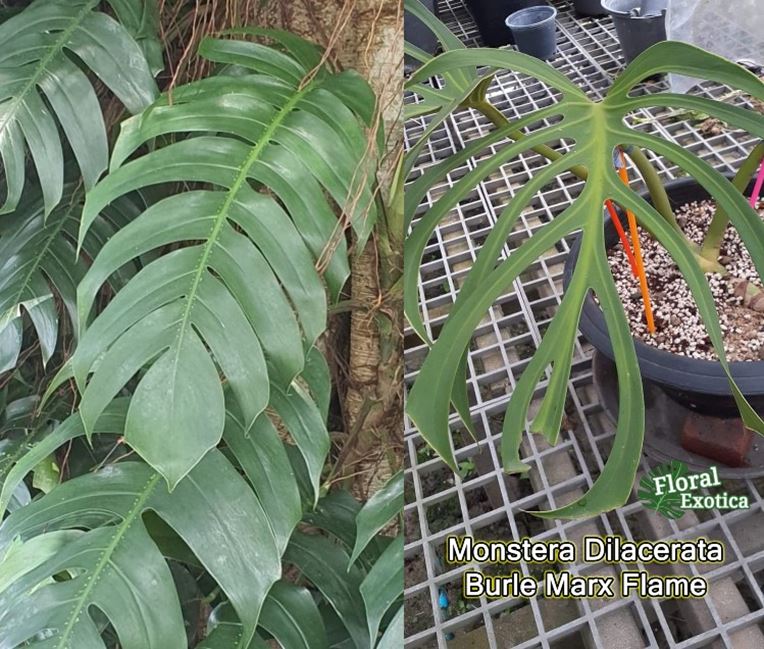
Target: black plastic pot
[698,384]
[418,34]
[535,31]
[589,7]
[490,16]
[638,23]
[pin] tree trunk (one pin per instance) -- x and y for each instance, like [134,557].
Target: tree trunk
[367,35]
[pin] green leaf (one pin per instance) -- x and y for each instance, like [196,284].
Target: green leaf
[597,128]
[41,50]
[193,315]
[383,586]
[265,462]
[41,442]
[668,503]
[137,595]
[38,261]
[21,558]
[382,507]
[393,636]
[324,563]
[141,19]
[291,616]
[46,475]
[225,631]
[307,427]
[166,401]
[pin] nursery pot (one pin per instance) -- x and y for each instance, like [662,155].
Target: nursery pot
[695,383]
[490,16]
[589,7]
[638,23]
[535,31]
[418,34]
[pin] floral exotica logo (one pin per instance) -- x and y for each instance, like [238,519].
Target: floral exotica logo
[670,489]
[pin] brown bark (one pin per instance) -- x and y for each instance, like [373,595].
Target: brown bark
[368,36]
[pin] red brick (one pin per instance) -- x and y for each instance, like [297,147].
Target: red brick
[725,441]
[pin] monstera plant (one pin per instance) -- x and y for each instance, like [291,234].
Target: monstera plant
[164,474]
[596,128]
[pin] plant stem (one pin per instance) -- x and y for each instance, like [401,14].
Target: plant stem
[713,239]
[654,184]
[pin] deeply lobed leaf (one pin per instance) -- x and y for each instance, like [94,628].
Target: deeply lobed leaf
[597,128]
[275,155]
[42,86]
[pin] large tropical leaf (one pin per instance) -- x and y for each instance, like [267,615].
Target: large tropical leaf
[265,156]
[237,531]
[39,265]
[115,566]
[42,86]
[597,129]
[356,603]
[246,529]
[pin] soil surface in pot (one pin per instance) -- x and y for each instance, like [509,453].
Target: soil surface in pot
[679,328]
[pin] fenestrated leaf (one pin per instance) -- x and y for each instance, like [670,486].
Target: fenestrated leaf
[235,546]
[36,48]
[597,128]
[384,505]
[195,313]
[262,456]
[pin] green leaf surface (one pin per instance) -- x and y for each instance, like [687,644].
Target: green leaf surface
[41,442]
[291,616]
[278,157]
[38,264]
[41,50]
[377,512]
[234,545]
[325,563]
[383,586]
[393,636]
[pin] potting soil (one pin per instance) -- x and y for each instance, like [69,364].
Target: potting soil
[679,327]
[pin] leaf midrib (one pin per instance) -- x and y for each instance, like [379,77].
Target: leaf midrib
[42,65]
[222,215]
[93,577]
